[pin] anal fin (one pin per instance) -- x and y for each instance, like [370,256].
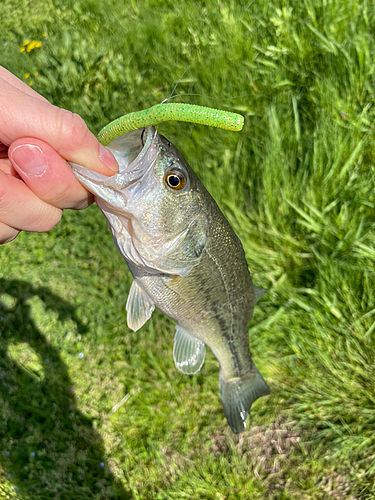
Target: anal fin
[139,307]
[188,353]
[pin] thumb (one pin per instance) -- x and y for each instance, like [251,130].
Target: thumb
[47,174]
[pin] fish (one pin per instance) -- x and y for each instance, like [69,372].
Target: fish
[185,260]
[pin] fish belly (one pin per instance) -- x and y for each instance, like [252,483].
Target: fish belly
[200,304]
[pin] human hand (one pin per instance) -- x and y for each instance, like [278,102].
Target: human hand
[36,139]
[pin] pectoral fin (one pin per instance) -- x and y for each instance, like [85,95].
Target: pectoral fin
[188,353]
[139,307]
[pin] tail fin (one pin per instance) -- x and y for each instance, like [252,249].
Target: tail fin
[237,396]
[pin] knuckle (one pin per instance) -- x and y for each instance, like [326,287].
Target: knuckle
[7,234]
[84,203]
[5,198]
[65,196]
[46,222]
[57,194]
[54,220]
[9,239]
[71,129]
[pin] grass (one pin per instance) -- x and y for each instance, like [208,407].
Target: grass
[297,186]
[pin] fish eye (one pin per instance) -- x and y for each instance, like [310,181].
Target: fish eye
[175,179]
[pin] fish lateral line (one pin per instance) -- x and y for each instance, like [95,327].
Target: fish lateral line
[192,113]
[164,259]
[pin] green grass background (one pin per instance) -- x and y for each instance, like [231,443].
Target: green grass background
[297,185]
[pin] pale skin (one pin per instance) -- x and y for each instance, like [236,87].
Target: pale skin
[36,141]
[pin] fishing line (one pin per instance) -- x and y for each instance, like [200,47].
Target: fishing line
[174,88]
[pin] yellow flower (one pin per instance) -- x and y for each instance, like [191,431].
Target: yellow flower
[106,60]
[26,42]
[44,34]
[22,49]
[27,75]
[36,73]
[32,45]
[31,83]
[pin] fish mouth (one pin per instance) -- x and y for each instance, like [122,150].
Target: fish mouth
[142,137]
[148,137]
[135,153]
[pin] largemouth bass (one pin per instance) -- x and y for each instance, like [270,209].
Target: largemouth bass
[185,259]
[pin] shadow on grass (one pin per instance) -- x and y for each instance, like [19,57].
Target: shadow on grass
[48,446]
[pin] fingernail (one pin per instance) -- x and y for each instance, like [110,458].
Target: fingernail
[29,160]
[107,158]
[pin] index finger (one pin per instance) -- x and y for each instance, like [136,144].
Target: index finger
[18,84]
[24,115]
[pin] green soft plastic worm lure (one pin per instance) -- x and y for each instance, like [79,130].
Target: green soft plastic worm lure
[171,111]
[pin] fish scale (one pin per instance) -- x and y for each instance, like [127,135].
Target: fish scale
[185,260]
